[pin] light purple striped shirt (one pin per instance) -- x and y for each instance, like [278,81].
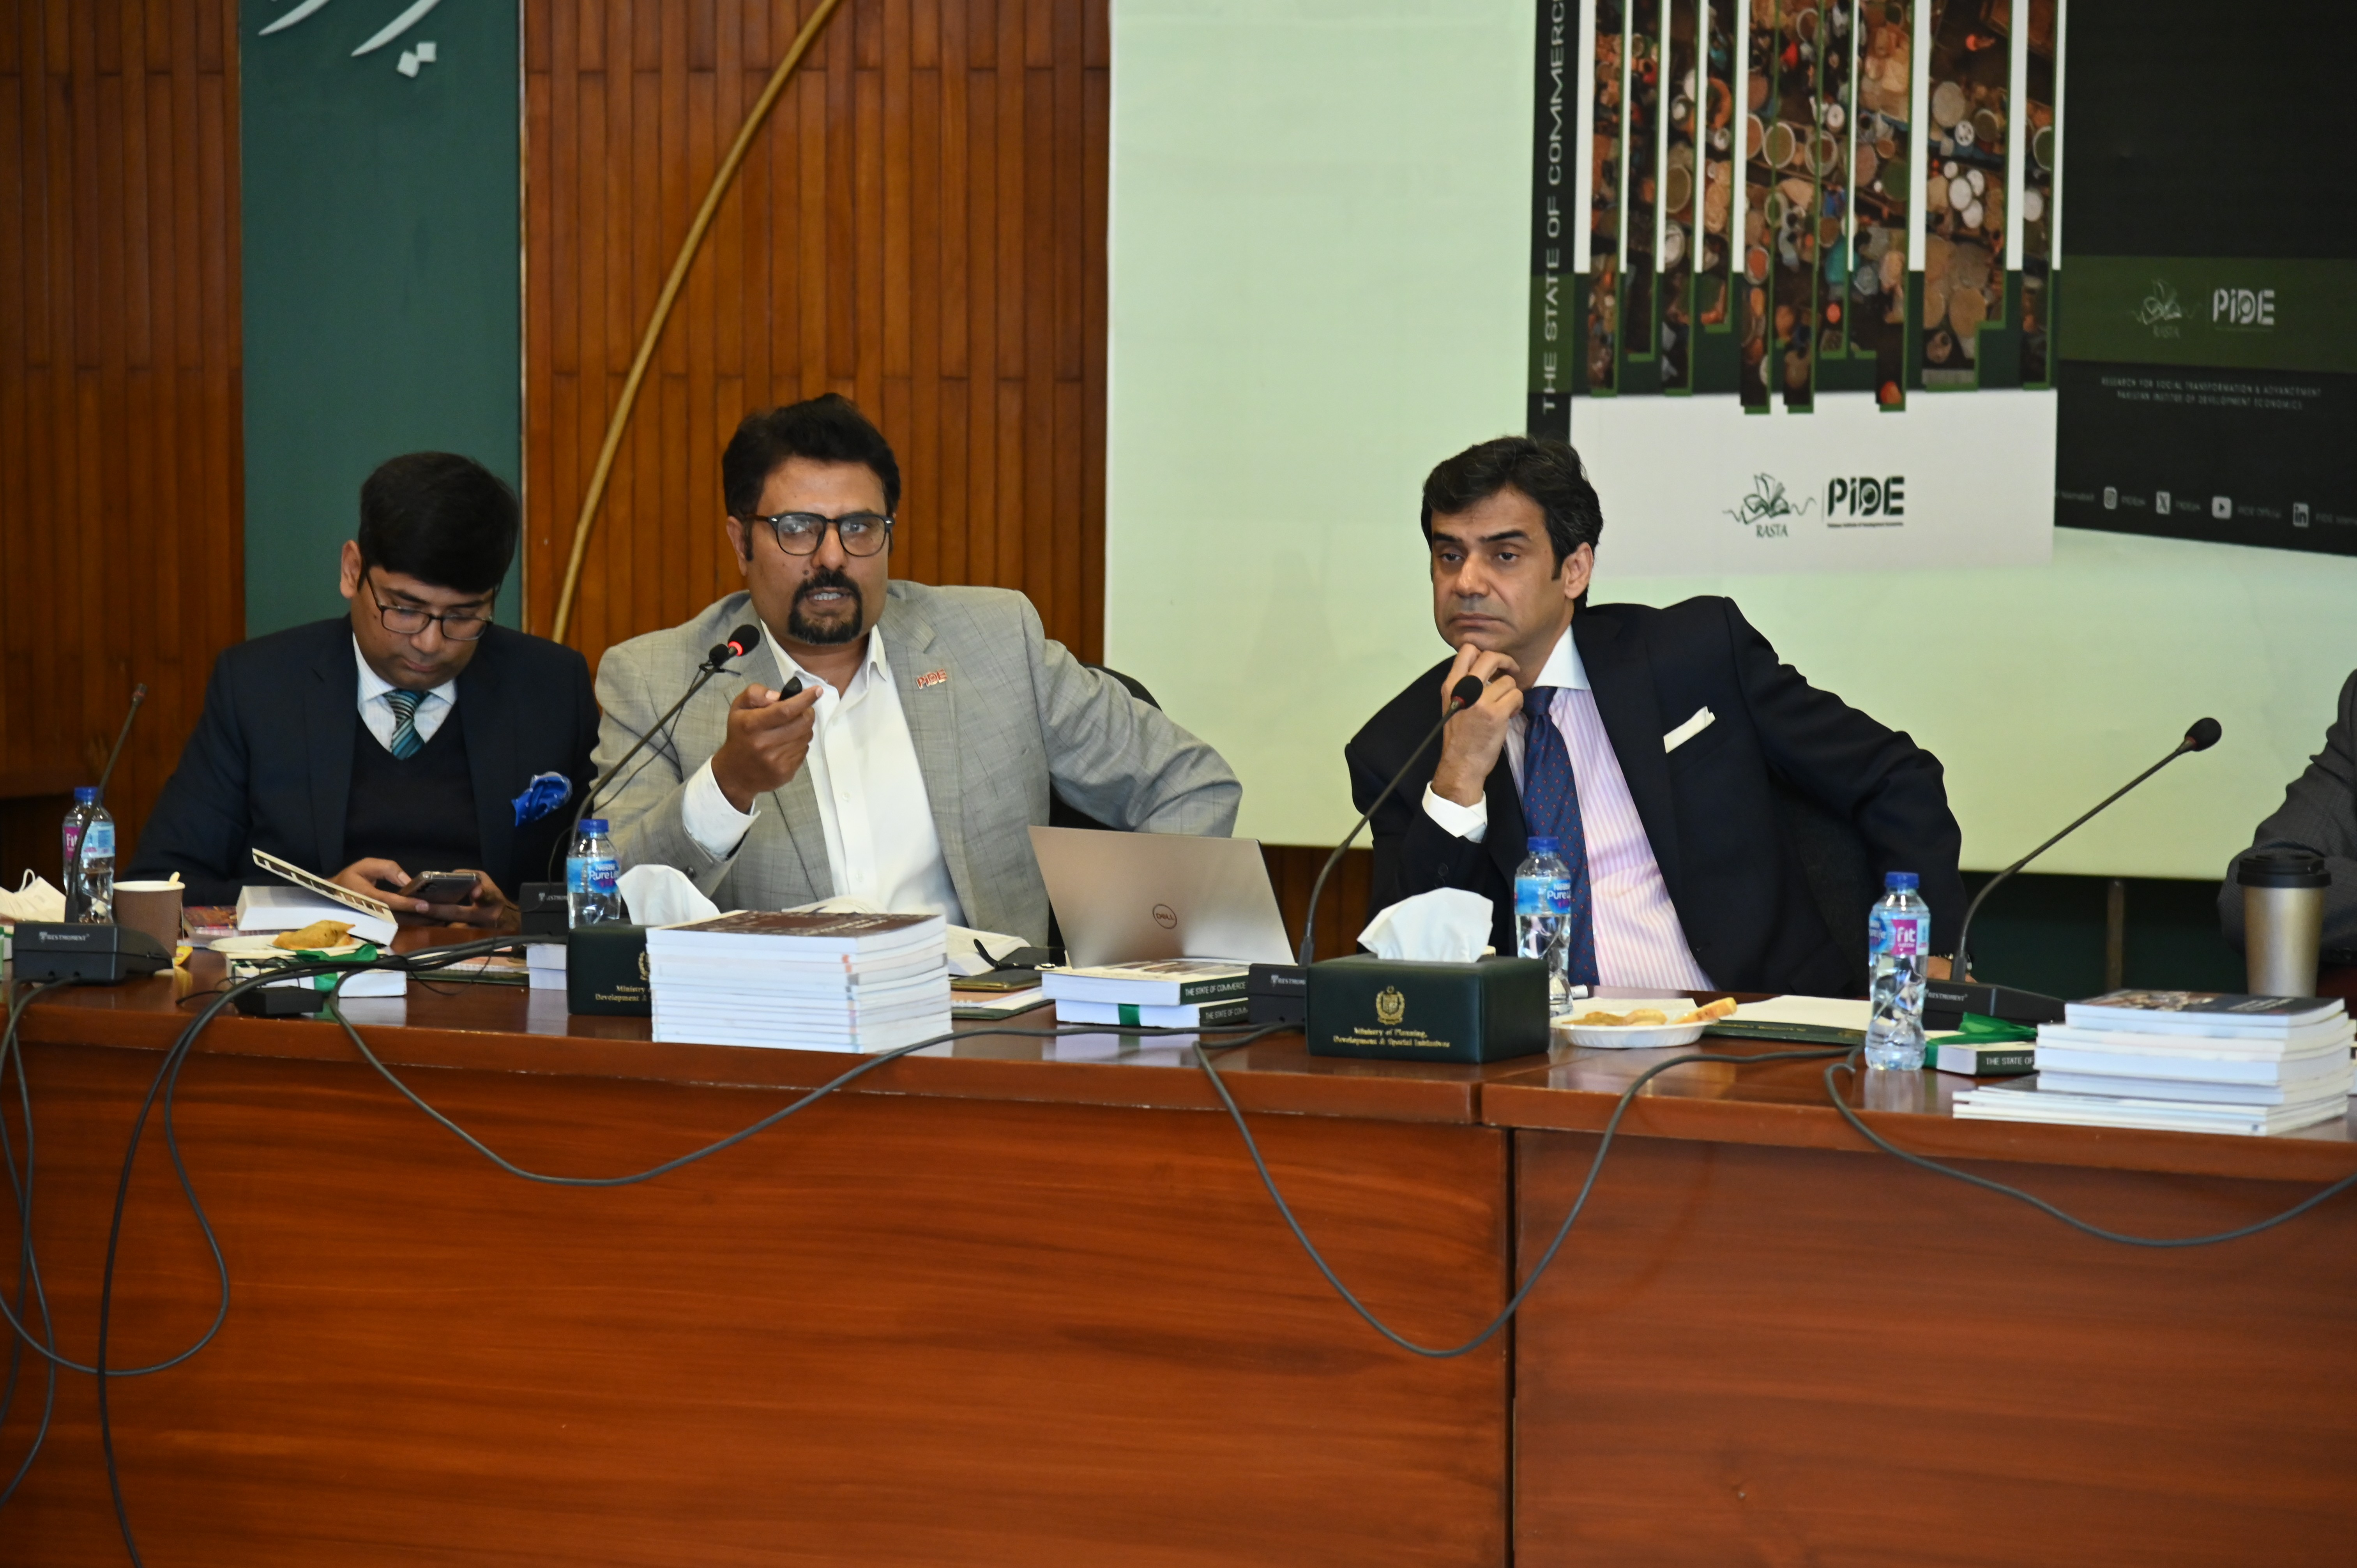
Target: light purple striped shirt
[1638,938]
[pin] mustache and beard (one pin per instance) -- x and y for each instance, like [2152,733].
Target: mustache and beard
[840,626]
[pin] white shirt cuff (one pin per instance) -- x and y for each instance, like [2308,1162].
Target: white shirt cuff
[717,826]
[1468,822]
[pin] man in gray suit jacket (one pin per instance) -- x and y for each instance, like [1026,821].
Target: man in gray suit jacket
[2320,815]
[889,741]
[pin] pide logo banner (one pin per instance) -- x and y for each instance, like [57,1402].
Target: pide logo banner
[2243,307]
[1859,500]
[1696,486]
[1867,501]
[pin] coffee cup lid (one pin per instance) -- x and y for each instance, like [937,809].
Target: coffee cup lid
[2283,868]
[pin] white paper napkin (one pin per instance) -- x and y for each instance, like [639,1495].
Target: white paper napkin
[1448,925]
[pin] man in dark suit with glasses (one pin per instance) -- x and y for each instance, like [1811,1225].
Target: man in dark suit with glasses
[410,734]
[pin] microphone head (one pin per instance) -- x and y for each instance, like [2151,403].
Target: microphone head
[2202,735]
[1465,694]
[743,640]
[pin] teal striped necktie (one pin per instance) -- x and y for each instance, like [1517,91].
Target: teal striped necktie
[405,743]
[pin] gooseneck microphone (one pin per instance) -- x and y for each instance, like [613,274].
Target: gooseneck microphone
[81,844]
[1462,695]
[740,642]
[138,695]
[2201,737]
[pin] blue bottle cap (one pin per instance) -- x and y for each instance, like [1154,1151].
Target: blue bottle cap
[85,794]
[595,825]
[1541,846]
[1900,881]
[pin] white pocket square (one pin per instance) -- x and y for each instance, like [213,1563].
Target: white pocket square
[1685,732]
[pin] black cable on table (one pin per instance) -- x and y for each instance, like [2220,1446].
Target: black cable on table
[1514,1303]
[1849,1065]
[168,1073]
[867,1065]
[27,1265]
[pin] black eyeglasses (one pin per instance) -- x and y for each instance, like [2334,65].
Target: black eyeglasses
[801,532]
[459,625]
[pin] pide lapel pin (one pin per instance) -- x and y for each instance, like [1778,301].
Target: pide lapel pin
[932,678]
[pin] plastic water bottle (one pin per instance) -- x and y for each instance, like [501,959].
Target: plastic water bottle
[1898,945]
[591,874]
[1542,915]
[89,880]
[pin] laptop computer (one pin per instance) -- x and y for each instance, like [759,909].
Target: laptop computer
[1120,898]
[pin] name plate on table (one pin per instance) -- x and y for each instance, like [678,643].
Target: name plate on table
[1396,1011]
[606,971]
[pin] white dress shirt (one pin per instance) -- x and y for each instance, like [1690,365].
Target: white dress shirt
[1639,940]
[376,708]
[881,844]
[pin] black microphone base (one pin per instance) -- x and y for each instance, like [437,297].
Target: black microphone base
[93,954]
[302,1001]
[1278,994]
[1945,1002]
[547,907]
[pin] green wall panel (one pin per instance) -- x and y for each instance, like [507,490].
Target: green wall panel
[382,273]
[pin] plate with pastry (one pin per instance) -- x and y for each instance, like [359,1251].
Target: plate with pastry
[1624,1026]
[331,938]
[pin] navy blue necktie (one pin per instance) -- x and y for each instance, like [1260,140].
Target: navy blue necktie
[1551,810]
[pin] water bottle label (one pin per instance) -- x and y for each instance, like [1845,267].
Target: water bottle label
[101,842]
[1900,936]
[1542,895]
[598,877]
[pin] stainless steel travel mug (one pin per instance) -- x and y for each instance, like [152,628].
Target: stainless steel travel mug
[2283,919]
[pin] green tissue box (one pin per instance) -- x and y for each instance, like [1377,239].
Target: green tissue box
[606,971]
[1395,1011]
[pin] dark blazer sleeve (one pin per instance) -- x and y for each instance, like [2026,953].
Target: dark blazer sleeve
[558,717]
[2318,814]
[1890,789]
[202,826]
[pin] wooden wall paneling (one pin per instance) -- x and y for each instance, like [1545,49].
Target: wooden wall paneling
[921,227]
[1292,871]
[121,464]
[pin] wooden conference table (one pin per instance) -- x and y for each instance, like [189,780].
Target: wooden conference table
[1024,1301]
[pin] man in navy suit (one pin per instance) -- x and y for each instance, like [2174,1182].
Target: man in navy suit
[410,734]
[1663,730]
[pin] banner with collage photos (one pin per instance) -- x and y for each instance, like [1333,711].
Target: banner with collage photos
[1794,270]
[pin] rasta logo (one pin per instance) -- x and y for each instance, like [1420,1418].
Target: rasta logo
[1767,501]
[2160,310]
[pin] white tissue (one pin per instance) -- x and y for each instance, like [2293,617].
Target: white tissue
[661,896]
[1448,925]
[35,899]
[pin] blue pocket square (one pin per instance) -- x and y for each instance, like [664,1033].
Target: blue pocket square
[543,795]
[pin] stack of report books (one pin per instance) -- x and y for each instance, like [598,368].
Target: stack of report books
[2186,1061]
[1161,993]
[804,982]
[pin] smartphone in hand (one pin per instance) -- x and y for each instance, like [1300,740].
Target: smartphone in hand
[441,887]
